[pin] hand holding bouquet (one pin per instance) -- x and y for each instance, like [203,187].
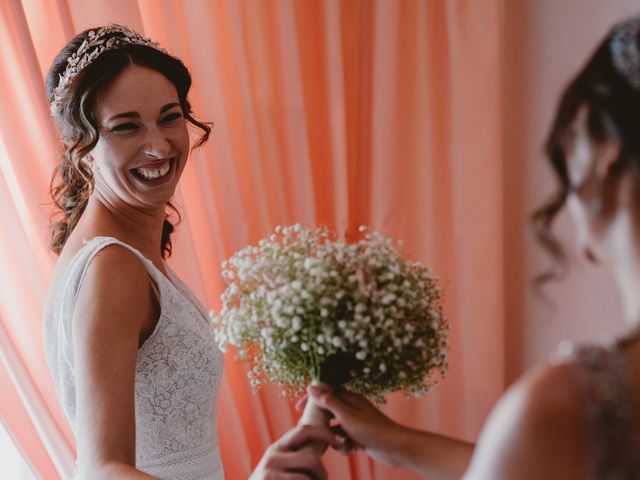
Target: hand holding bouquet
[303,307]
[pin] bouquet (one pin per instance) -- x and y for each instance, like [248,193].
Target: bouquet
[304,306]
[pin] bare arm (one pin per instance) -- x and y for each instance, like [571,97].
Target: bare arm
[115,303]
[429,454]
[534,432]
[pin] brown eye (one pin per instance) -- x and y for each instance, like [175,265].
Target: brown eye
[171,117]
[124,127]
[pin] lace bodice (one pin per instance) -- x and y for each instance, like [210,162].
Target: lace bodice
[604,384]
[178,373]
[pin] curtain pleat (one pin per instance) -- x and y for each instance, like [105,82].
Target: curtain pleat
[366,112]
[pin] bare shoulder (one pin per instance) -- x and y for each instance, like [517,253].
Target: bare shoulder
[535,431]
[114,302]
[115,294]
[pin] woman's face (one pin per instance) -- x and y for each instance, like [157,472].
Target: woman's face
[143,140]
[591,201]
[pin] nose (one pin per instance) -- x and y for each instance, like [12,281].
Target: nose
[156,144]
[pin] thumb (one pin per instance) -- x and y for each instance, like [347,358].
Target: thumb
[328,401]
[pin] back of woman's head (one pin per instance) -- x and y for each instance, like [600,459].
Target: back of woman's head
[609,87]
[82,69]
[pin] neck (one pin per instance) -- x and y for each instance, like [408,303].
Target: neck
[626,265]
[141,229]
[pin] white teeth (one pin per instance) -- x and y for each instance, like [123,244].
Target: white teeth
[154,173]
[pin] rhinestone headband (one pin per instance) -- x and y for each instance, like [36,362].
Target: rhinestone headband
[625,51]
[109,37]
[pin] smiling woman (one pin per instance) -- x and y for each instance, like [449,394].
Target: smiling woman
[338,113]
[131,350]
[136,150]
[73,110]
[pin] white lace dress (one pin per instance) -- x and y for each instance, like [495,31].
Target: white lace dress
[178,373]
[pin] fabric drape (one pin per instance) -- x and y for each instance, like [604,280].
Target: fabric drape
[383,113]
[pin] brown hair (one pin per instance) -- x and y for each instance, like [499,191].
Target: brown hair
[72,180]
[613,113]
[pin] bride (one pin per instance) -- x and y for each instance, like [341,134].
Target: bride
[129,346]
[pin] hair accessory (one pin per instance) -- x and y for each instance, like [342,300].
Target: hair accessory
[625,51]
[109,37]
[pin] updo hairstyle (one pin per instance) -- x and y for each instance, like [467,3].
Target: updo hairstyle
[72,180]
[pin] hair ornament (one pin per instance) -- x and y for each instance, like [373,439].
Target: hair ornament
[625,51]
[98,41]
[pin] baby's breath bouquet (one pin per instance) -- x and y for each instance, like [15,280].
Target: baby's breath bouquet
[304,306]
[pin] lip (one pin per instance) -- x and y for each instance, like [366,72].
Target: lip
[156,164]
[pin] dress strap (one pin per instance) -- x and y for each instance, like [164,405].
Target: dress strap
[84,256]
[78,267]
[606,383]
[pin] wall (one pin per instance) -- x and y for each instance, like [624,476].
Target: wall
[547,41]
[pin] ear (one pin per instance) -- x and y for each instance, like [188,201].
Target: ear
[620,180]
[87,161]
[607,159]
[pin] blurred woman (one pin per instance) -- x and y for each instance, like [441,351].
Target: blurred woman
[577,416]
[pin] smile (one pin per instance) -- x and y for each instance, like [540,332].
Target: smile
[153,173]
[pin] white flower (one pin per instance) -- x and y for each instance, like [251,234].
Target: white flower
[302,290]
[388,298]
[282,322]
[296,324]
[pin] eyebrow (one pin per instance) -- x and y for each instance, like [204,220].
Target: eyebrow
[168,106]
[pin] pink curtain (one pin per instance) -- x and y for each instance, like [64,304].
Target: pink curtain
[383,113]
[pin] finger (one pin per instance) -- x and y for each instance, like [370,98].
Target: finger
[301,403]
[304,434]
[327,401]
[305,461]
[349,445]
[352,399]
[338,430]
[289,476]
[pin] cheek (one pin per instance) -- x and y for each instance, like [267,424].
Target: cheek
[182,137]
[580,218]
[110,160]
